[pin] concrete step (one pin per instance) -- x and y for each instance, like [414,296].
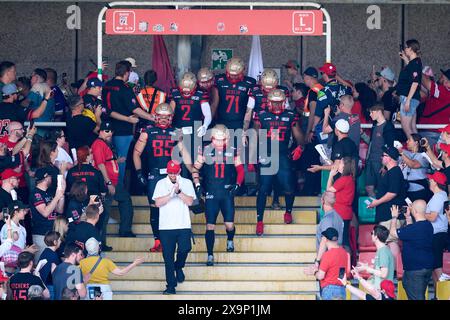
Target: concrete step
[241,244]
[199,229]
[221,257]
[223,273]
[247,201]
[224,297]
[142,216]
[214,286]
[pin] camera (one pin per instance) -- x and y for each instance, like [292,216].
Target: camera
[402,48]
[5,213]
[423,142]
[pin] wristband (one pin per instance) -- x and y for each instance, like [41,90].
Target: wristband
[45,99]
[108,183]
[179,191]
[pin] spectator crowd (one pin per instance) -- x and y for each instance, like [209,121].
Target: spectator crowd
[388,184]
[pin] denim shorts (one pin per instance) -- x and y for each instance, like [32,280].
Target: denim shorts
[333,292]
[412,107]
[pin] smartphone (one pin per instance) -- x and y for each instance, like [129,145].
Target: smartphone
[408,201]
[97,199]
[60,181]
[402,48]
[341,273]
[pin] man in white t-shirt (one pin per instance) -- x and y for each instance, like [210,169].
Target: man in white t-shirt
[173,195]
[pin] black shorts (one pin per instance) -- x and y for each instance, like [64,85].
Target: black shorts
[439,245]
[153,177]
[215,203]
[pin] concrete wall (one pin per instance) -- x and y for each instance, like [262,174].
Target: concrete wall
[35,34]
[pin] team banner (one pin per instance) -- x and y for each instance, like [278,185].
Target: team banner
[214,22]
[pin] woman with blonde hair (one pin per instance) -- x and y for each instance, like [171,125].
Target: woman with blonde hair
[61,225]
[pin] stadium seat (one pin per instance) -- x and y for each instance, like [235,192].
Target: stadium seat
[365,243]
[401,293]
[361,184]
[365,215]
[324,179]
[443,290]
[446,263]
[369,258]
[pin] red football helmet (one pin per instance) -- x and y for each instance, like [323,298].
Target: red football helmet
[235,70]
[163,116]
[276,100]
[187,84]
[205,78]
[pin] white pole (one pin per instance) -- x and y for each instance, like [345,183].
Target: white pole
[100,42]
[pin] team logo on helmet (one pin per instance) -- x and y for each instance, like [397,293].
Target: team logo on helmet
[163,115]
[276,101]
[205,78]
[188,84]
[269,79]
[235,70]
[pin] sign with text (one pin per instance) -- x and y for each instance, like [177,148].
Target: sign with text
[220,58]
[214,22]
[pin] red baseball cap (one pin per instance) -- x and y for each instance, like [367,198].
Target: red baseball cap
[173,167]
[9,173]
[446,129]
[445,147]
[329,69]
[388,287]
[439,177]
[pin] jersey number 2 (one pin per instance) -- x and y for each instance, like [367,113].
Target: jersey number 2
[187,109]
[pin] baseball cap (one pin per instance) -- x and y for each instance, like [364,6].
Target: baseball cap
[388,287]
[132,61]
[331,234]
[106,125]
[312,72]
[292,64]
[386,73]
[446,73]
[9,89]
[445,147]
[9,173]
[438,177]
[16,205]
[92,246]
[173,167]
[41,174]
[392,152]
[94,82]
[446,129]
[329,69]
[343,126]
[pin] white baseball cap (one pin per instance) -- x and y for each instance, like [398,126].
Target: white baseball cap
[92,246]
[387,73]
[342,125]
[132,61]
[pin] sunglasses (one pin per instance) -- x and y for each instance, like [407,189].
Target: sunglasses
[107,131]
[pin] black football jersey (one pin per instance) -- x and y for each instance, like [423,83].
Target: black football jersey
[187,110]
[283,122]
[218,170]
[159,146]
[233,100]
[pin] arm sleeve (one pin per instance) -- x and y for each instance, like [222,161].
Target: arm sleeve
[206,110]
[251,102]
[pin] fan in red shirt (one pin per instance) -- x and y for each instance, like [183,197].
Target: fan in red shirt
[437,106]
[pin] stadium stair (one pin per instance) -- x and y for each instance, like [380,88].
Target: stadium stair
[261,268]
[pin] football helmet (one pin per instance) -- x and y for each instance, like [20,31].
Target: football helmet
[269,80]
[220,136]
[163,115]
[205,78]
[235,70]
[187,84]
[276,100]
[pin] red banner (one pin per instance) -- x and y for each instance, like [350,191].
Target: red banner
[214,22]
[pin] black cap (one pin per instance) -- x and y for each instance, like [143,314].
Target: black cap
[312,72]
[106,125]
[331,234]
[391,152]
[41,174]
[16,205]
[446,73]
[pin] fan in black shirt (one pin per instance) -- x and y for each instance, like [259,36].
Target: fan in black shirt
[80,128]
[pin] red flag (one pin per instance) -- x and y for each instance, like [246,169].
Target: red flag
[161,64]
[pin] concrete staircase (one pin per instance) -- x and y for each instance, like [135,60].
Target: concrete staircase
[261,268]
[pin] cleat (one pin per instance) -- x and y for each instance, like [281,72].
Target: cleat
[259,228]
[157,247]
[170,291]
[230,246]
[210,261]
[288,218]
